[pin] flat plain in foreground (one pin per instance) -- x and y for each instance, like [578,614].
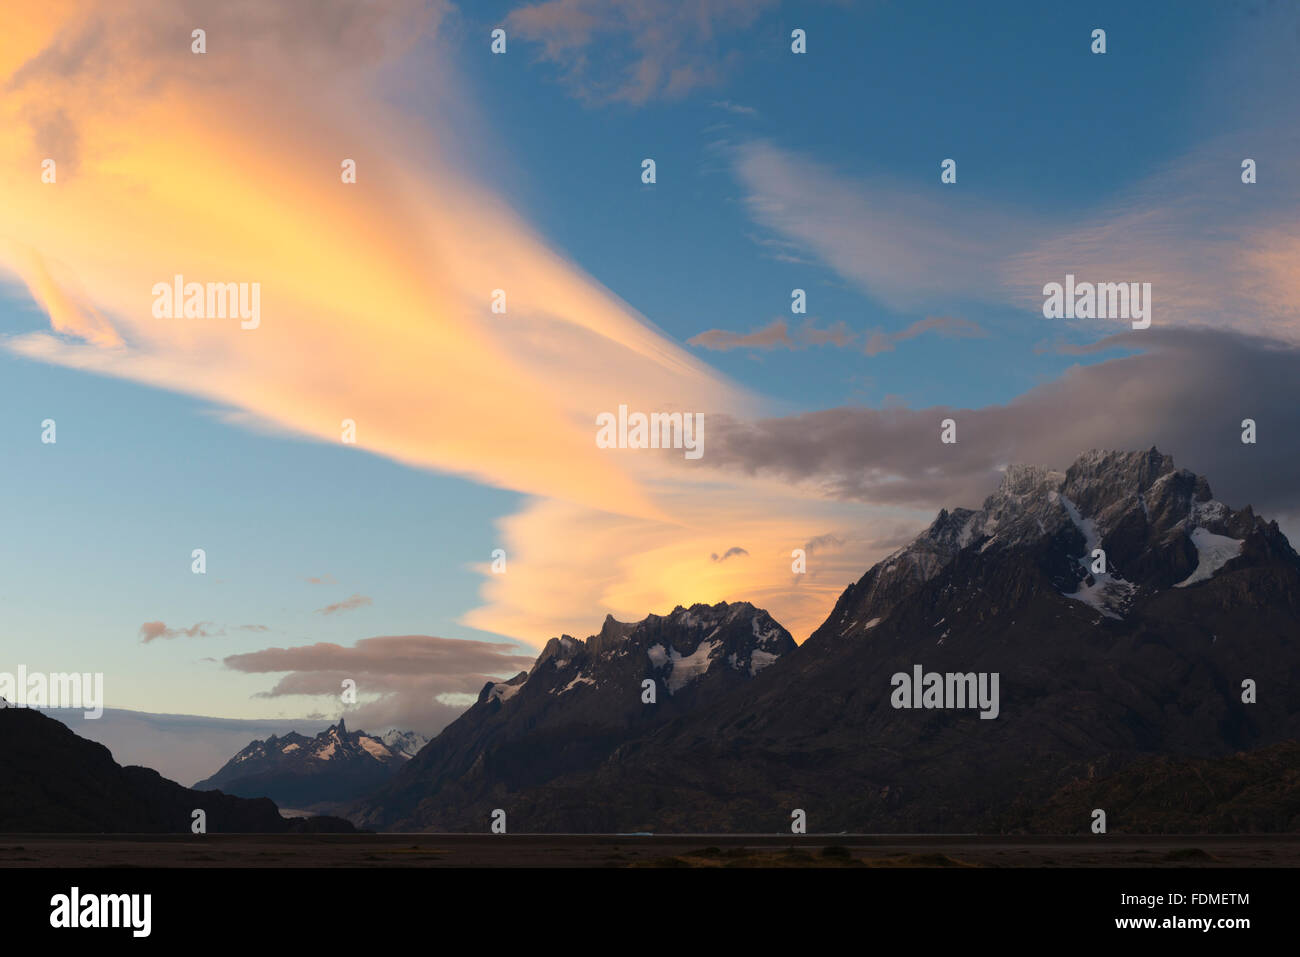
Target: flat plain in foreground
[669,850]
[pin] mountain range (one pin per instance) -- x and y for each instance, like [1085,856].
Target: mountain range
[306,773]
[576,711]
[1124,609]
[1140,640]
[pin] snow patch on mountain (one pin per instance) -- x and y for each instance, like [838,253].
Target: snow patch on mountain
[505,690]
[1110,596]
[686,668]
[1104,591]
[577,680]
[1213,552]
[766,636]
[1086,526]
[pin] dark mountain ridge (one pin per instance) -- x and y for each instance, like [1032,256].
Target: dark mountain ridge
[53,781]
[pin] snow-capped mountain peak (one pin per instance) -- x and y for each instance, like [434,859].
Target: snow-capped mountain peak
[1111,527]
[335,752]
[677,650]
[406,743]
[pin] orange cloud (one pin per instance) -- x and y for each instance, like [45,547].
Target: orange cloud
[630,567]
[375,297]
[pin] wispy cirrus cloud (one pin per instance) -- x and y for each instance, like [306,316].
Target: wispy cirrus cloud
[630,567]
[375,295]
[154,630]
[775,335]
[347,604]
[1215,252]
[375,302]
[949,327]
[633,51]
[738,108]
[903,245]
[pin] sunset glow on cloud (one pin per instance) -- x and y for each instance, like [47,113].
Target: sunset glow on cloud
[375,306]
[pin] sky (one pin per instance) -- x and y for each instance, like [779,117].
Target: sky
[522,171]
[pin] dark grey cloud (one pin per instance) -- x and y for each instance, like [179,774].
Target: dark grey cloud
[729,553]
[821,542]
[1186,392]
[388,655]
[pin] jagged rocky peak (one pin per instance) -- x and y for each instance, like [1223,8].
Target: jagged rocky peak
[401,742]
[1106,485]
[1107,467]
[1098,494]
[562,649]
[677,648]
[503,690]
[612,634]
[337,760]
[1114,488]
[1158,526]
[1021,481]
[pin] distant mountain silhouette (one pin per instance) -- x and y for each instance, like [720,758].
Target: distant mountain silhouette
[300,772]
[52,780]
